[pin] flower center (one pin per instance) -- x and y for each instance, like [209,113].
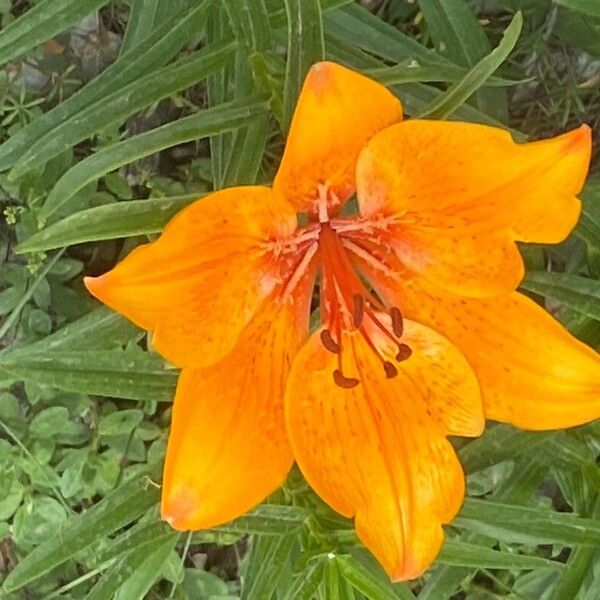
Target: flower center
[348,305]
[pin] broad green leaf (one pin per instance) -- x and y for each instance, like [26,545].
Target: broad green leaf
[147,15]
[48,422]
[588,7]
[269,558]
[450,100]
[459,36]
[154,52]
[130,373]
[120,422]
[203,124]
[462,554]
[41,23]
[579,293]
[107,222]
[268,519]
[305,47]
[117,106]
[117,509]
[373,585]
[527,525]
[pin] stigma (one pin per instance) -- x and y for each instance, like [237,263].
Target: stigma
[348,305]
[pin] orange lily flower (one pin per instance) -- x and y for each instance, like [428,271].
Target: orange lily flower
[423,335]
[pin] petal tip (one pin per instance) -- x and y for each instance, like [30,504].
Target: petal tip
[95,286]
[178,510]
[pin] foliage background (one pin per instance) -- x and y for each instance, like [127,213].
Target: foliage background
[114,115]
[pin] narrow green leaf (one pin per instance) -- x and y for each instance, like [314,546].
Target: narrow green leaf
[145,16]
[368,583]
[116,107]
[41,23]
[527,525]
[459,36]
[450,100]
[269,558]
[306,583]
[250,21]
[107,222]
[130,373]
[117,509]
[203,124]
[154,52]
[576,292]
[462,554]
[588,7]
[268,519]
[306,46]
[141,578]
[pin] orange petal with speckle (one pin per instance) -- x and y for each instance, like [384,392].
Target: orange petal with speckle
[378,451]
[201,282]
[338,111]
[533,373]
[462,194]
[228,447]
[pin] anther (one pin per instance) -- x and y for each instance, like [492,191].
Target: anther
[397,321]
[390,369]
[329,343]
[343,381]
[359,310]
[404,352]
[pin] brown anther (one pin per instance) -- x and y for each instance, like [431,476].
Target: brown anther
[390,369]
[397,321]
[329,343]
[343,381]
[359,310]
[404,352]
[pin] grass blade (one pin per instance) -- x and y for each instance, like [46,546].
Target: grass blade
[306,46]
[117,509]
[588,7]
[203,124]
[452,99]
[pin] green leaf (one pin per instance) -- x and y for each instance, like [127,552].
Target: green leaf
[49,422]
[306,583]
[268,519]
[450,100]
[117,509]
[120,422]
[269,558]
[305,47]
[250,21]
[459,36]
[579,293]
[155,51]
[588,7]
[41,23]
[147,15]
[116,107]
[461,554]
[107,222]
[203,124]
[527,525]
[373,585]
[130,373]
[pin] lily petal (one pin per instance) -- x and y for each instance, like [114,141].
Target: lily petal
[338,111]
[461,194]
[201,282]
[378,451]
[533,373]
[228,446]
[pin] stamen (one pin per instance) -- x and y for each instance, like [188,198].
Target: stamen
[343,381]
[359,310]
[390,369]
[404,352]
[329,342]
[397,321]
